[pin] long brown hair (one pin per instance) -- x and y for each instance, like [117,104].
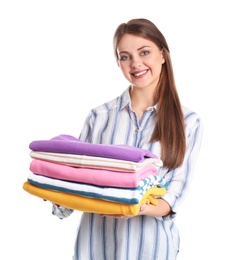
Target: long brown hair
[170,129]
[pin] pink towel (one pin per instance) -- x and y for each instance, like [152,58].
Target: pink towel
[99,177]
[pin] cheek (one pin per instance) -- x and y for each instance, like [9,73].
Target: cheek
[158,64]
[124,68]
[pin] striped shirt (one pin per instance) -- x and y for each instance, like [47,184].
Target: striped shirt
[140,237]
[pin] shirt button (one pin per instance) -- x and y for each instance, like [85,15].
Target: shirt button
[150,109]
[137,130]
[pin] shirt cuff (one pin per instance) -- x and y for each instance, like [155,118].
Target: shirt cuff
[61,212]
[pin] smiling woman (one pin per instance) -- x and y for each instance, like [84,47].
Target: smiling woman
[57,62]
[147,115]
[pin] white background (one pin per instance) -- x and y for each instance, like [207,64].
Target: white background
[56,63]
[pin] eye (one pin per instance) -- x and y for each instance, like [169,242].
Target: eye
[125,57]
[145,53]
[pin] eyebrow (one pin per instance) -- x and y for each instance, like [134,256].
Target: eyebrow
[146,46]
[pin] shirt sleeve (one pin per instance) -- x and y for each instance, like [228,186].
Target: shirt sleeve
[61,212]
[88,129]
[180,178]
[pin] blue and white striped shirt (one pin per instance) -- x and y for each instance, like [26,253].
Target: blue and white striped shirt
[140,237]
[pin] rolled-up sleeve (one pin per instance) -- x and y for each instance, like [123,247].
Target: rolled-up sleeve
[180,178]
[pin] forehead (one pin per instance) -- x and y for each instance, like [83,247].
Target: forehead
[131,42]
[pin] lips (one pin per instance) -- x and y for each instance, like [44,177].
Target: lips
[140,73]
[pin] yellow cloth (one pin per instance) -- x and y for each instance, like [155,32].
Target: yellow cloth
[92,205]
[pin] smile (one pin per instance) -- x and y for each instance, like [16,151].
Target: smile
[139,73]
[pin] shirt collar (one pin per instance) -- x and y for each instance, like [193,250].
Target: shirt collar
[125,99]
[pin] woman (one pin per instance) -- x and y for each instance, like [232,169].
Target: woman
[147,115]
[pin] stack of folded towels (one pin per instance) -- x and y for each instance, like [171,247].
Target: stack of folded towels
[96,178]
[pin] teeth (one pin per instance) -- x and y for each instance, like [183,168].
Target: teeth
[140,73]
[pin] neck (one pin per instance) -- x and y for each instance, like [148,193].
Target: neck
[142,98]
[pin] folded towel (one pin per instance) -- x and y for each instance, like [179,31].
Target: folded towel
[72,145]
[99,177]
[127,196]
[78,160]
[92,205]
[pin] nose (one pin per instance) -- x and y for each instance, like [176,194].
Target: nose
[135,63]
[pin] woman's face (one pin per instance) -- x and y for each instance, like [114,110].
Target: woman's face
[140,61]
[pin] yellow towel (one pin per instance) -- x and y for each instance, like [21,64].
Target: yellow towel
[92,205]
